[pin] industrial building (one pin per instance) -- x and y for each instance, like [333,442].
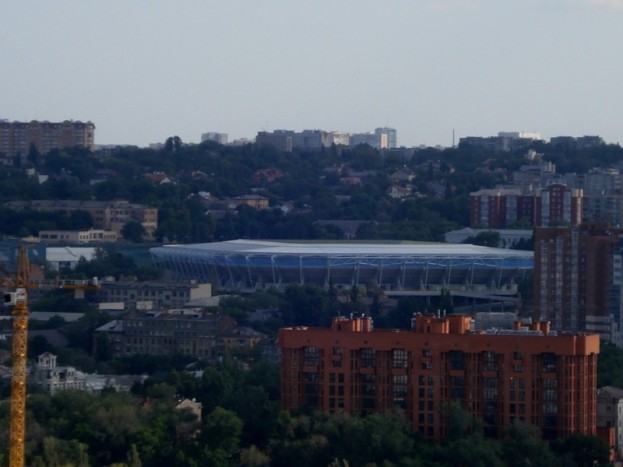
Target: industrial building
[527,373]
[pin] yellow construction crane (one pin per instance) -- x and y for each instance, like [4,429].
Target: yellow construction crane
[19,299]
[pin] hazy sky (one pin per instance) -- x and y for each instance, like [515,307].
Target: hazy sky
[145,70]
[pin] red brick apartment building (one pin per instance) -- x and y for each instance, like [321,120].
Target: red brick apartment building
[573,277]
[528,373]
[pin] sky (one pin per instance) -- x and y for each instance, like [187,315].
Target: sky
[142,71]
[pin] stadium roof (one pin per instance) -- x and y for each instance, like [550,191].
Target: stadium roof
[347,248]
[421,268]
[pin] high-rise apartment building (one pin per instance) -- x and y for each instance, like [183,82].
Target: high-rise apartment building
[557,204]
[500,208]
[16,138]
[387,137]
[573,277]
[527,373]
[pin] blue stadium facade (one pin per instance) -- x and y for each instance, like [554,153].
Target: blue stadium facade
[409,268]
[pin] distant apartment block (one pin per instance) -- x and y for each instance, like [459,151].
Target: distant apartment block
[537,174]
[154,294]
[503,142]
[78,236]
[602,189]
[501,208]
[286,140]
[174,332]
[381,138]
[16,138]
[106,215]
[573,277]
[279,139]
[339,138]
[582,142]
[526,373]
[220,138]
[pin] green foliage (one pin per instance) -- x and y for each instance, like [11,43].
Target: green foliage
[524,447]
[306,305]
[133,231]
[110,263]
[610,366]
[583,451]
[489,238]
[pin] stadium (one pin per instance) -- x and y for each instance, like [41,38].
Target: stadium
[398,268]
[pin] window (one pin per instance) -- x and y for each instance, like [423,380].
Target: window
[367,358]
[548,361]
[311,356]
[490,361]
[400,358]
[457,360]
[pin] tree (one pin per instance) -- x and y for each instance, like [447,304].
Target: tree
[489,238]
[173,144]
[134,460]
[221,433]
[445,301]
[524,447]
[80,219]
[133,231]
[584,451]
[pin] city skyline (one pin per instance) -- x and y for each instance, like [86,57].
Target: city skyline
[429,69]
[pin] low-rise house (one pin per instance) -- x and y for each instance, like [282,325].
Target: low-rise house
[158,178]
[398,191]
[254,201]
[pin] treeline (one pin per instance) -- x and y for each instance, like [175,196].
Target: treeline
[242,425]
[309,183]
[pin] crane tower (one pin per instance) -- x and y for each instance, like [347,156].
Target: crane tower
[19,298]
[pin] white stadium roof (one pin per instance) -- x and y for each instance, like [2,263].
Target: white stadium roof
[350,248]
[406,266]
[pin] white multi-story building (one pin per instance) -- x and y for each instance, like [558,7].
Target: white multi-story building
[53,378]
